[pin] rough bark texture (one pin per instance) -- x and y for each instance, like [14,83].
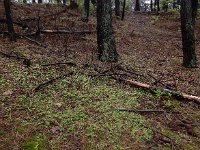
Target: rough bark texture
[188,16]
[117,7]
[86,10]
[137,5]
[105,36]
[9,20]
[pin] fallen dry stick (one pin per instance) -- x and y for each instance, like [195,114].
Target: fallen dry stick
[69,32]
[175,94]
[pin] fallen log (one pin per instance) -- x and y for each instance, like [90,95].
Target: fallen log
[176,94]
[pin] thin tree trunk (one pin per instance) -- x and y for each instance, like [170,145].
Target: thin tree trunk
[9,20]
[137,5]
[158,5]
[105,36]
[64,2]
[86,10]
[123,11]
[188,17]
[117,7]
[151,5]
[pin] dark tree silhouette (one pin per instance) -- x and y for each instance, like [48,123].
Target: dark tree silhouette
[105,36]
[123,11]
[188,19]
[137,5]
[117,7]
[86,10]
[9,20]
[151,5]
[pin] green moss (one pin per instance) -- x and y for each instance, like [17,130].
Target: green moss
[35,143]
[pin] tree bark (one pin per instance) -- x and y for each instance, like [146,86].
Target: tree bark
[123,11]
[188,17]
[39,1]
[64,2]
[86,10]
[117,7]
[137,5]
[73,4]
[151,5]
[158,5]
[9,20]
[105,35]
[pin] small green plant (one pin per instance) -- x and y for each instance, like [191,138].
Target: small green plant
[35,143]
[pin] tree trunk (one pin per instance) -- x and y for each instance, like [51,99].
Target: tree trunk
[188,17]
[154,9]
[158,5]
[151,5]
[117,7]
[86,10]
[73,4]
[123,11]
[137,5]
[64,2]
[39,1]
[105,36]
[9,20]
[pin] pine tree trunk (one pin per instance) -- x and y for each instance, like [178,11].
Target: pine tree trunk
[64,2]
[117,7]
[9,20]
[151,5]
[158,5]
[86,10]
[188,16]
[137,5]
[123,11]
[105,36]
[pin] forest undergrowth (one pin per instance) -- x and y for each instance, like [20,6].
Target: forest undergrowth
[67,99]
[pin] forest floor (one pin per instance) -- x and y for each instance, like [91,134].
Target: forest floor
[80,107]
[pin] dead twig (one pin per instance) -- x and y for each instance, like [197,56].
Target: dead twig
[45,83]
[60,63]
[34,41]
[143,110]
[68,32]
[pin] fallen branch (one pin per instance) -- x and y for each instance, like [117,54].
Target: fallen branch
[12,56]
[34,41]
[45,83]
[175,94]
[68,32]
[26,62]
[15,22]
[60,63]
[142,110]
